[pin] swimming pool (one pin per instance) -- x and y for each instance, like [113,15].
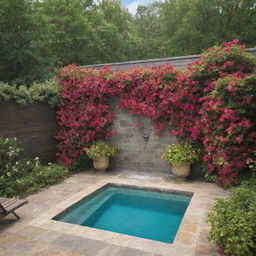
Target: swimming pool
[145,213]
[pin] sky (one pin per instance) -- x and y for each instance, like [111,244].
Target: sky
[133,4]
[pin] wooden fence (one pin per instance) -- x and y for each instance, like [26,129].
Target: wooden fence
[34,125]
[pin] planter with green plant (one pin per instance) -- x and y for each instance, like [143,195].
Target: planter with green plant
[100,153]
[180,156]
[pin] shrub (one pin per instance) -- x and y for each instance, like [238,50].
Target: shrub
[180,154]
[233,222]
[10,150]
[229,123]
[48,175]
[20,177]
[12,167]
[82,163]
[251,162]
[34,179]
[224,81]
[48,91]
[100,150]
[19,187]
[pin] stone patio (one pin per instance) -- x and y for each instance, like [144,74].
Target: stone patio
[35,234]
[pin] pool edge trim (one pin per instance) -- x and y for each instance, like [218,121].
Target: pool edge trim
[45,220]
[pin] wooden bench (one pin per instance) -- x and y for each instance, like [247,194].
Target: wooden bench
[8,205]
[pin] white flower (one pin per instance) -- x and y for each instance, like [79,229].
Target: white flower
[10,153]
[49,163]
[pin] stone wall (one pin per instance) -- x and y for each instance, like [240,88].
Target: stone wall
[134,153]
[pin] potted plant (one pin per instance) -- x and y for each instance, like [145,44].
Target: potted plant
[100,153]
[180,156]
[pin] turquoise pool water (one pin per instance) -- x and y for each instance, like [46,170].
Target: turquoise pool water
[154,215]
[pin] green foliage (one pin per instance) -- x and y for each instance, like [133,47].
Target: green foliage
[10,150]
[244,90]
[148,24]
[217,56]
[29,178]
[39,37]
[48,175]
[101,150]
[48,91]
[82,163]
[190,26]
[116,38]
[70,32]
[233,223]
[212,178]
[25,57]
[180,153]
[20,177]
[252,163]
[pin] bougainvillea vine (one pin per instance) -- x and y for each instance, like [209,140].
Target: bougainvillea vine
[212,104]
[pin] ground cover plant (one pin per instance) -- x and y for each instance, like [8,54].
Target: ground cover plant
[19,176]
[210,105]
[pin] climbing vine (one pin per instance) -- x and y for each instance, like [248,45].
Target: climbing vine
[212,104]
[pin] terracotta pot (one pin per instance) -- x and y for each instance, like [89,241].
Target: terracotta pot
[101,164]
[181,172]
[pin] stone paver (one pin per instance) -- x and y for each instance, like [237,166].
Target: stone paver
[22,237]
[82,245]
[109,250]
[131,252]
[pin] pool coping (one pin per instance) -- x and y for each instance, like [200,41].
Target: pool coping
[189,226]
[134,187]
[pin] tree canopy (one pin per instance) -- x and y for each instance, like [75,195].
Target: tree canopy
[39,36]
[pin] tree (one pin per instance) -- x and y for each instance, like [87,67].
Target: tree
[191,26]
[148,24]
[117,37]
[70,30]
[24,57]
[87,32]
